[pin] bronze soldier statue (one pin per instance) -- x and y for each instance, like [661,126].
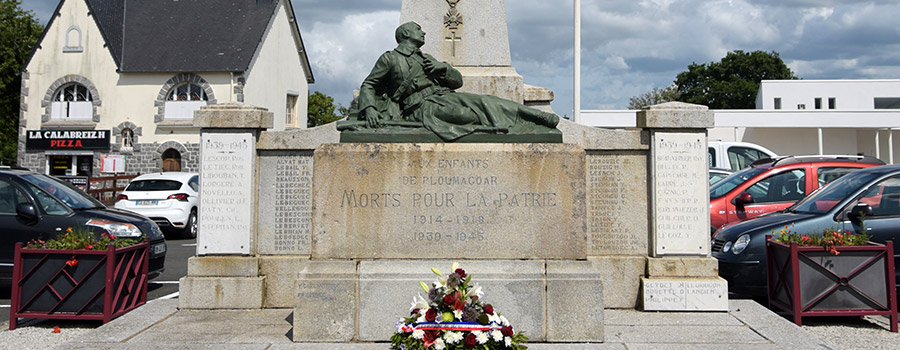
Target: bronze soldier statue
[410,88]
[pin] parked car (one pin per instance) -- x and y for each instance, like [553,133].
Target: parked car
[866,200]
[38,206]
[736,155]
[171,199]
[717,174]
[770,185]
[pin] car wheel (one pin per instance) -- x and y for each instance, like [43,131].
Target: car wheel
[190,229]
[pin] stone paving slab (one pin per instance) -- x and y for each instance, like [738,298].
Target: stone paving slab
[631,317]
[160,326]
[662,334]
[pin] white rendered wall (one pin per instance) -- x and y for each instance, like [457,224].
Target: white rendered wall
[126,97]
[277,70]
[849,94]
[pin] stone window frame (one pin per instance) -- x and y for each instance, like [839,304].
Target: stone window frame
[165,146]
[71,48]
[136,132]
[175,81]
[46,103]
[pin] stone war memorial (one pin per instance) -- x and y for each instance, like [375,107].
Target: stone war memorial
[555,220]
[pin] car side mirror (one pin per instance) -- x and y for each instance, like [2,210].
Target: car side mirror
[744,198]
[27,212]
[859,211]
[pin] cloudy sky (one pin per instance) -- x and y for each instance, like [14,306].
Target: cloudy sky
[629,46]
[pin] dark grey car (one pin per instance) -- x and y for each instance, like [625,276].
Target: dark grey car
[866,200]
[38,206]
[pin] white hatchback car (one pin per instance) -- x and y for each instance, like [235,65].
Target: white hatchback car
[170,199]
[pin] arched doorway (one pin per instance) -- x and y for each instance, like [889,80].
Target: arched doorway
[171,160]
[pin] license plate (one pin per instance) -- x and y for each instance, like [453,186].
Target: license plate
[159,248]
[146,202]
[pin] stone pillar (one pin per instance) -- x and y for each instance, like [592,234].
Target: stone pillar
[225,272]
[681,274]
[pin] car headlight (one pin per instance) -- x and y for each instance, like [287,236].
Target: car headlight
[118,229]
[727,247]
[740,244]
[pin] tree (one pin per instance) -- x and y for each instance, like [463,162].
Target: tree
[321,110]
[19,32]
[655,96]
[731,83]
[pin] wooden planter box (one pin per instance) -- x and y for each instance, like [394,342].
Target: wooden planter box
[809,281]
[103,285]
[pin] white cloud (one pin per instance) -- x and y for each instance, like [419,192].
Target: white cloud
[629,47]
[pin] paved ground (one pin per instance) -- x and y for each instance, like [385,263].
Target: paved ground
[159,325]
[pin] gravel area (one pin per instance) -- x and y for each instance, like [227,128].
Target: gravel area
[38,334]
[846,333]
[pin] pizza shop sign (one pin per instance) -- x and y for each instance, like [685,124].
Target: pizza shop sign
[67,139]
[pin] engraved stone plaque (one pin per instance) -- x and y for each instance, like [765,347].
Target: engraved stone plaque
[617,203]
[680,187]
[285,203]
[226,179]
[685,294]
[449,201]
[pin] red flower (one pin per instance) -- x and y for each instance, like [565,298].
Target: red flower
[449,300]
[72,262]
[461,273]
[56,329]
[805,239]
[459,304]
[507,331]
[430,336]
[488,309]
[414,311]
[430,315]
[471,341]
[88,246]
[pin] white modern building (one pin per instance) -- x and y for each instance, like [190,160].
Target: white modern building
[110,81]
[804,117]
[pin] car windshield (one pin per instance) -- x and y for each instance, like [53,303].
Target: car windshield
[823,200]
[724,186]
[71,196]
[154,185]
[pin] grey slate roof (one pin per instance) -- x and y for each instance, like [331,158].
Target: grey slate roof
[186,35]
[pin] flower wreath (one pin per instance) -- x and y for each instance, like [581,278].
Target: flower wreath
[452,317]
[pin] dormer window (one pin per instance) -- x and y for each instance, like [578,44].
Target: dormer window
[72,102]
[73,40]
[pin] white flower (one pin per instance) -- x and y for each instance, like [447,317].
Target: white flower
[418,334]
[497,335]
[481,337]
[507,341]
[458,314]
[494,318]
[453,337]
[421,318]
[504,321]
[474,291]
[439,344]
[419,303]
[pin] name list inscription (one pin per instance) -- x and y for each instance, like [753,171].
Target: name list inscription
[615,196]
[225,181]
[681,214]
[286,203]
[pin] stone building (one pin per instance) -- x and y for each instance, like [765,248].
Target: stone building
[109,82]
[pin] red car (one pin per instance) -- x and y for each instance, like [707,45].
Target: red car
[773,184]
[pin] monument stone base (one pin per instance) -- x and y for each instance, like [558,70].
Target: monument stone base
[684,284]
[361,300]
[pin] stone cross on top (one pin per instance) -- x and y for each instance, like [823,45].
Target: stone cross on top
[482,41]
